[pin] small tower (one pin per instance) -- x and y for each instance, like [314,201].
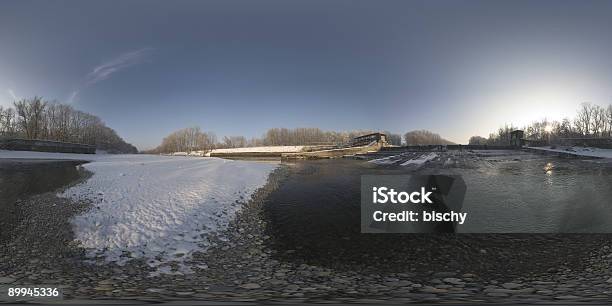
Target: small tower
[517,138]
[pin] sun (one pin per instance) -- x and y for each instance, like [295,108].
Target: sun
[548,128]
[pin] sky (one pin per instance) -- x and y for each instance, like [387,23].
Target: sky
[457,68]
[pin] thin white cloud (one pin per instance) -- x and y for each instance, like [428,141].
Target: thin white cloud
[105,70]
[73,96]
[12,94]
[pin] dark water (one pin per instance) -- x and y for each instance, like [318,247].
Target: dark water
[548,195]
[21,178]
[316,211]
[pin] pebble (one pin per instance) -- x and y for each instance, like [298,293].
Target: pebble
[250,286]
[567,297]
[454,281]
[511,285]
[240,261]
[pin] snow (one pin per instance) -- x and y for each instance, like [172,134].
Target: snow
[395,159]
[420,160]
[273,149]
[579,151]
[160,208]
[389,160]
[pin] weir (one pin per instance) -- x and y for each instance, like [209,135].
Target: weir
[376,144]
[368,143]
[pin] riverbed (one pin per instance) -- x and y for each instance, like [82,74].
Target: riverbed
[298,239]
[21,178]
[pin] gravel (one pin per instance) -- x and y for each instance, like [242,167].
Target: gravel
[244,264]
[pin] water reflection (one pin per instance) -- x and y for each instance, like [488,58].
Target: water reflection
[549,168]
[570,196]
[316,212]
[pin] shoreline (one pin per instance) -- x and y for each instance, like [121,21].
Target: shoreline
[246,263]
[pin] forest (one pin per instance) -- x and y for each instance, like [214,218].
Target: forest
[424,137]
[590,121]
[36,118]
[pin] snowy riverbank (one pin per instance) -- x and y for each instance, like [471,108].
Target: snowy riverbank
[578,151]
[159,208]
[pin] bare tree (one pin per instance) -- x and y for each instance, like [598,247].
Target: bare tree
[583,119]
[424,137]
[609,119]
[477,140]
[38,119]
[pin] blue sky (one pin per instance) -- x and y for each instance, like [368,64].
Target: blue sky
[458,68]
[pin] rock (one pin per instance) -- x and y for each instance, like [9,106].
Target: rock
[6,280]
[433,290]
[156,290]
[511,285]
[106,282]
[48,271]
[444,274]
[509,291]
[219,288]
[497,294]
[277,282]
[543,283]
[567,297]
[250,286]
[453,280]
[104,288]
[323,273]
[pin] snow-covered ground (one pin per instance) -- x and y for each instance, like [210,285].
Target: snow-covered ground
[580,151]
[389,160]
[156,207]
[272,149]
[421,160]
[405,159]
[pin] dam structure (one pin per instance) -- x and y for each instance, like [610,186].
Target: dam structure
[368,143]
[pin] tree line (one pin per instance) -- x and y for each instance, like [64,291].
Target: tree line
[590,121]
[194,139]
[424,137]
[36,118]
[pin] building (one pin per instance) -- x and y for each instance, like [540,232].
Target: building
[365,140]
[517,138]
